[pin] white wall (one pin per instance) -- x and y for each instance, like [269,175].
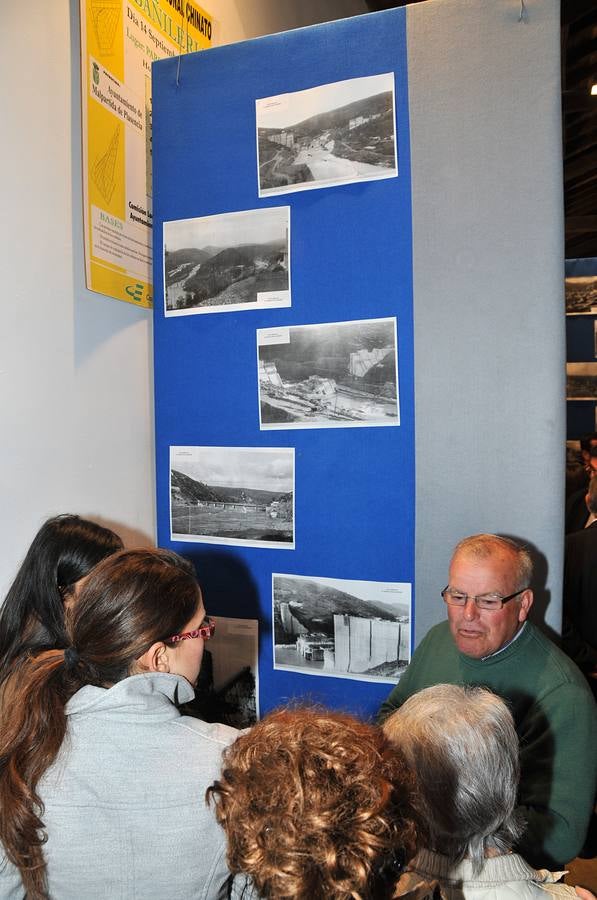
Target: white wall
[75,367]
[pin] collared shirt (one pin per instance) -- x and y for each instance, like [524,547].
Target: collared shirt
[507,644]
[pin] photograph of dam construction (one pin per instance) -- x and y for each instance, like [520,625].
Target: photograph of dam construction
[233,495]
[332,134]
[341,628]
[337,374]
[229,262]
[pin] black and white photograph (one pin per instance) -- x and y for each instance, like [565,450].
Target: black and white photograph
[227,689]
[581,296]
[581,381]
[226,263]
[573,457]
[341,628]
[331,134]
[334,375]
[233,495]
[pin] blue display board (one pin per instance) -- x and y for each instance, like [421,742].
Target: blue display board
[350,258]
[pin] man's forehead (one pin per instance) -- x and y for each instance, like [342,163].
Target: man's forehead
[492,556]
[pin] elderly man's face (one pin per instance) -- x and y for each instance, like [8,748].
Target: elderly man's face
[480,632]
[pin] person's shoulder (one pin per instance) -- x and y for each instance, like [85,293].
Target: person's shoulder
[438,633]
[553,661]
[584,536]
[437,640]
[212,732]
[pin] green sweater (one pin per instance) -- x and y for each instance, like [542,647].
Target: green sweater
[556,721]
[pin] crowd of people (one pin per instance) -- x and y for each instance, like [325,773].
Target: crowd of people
[478,780]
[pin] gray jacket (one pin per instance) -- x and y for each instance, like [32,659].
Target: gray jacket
[124,801]
[506,877]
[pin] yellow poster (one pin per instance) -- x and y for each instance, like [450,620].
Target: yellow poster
[119,41]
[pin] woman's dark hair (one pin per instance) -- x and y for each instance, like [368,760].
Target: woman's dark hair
[316,804]
[63,551]
[130,601]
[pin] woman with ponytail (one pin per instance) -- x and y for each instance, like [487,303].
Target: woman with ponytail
[101,778]
[63,551]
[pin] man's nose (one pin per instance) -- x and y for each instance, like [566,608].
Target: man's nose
[471,610]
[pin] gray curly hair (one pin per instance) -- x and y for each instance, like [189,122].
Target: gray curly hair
[463,747]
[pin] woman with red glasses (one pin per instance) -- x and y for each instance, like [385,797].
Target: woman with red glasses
[101,778]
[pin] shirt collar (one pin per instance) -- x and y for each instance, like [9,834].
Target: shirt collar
[507,644]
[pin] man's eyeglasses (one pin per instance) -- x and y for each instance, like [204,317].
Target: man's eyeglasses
[482,601]
[205,631]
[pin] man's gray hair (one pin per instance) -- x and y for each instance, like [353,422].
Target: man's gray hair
[463,747]
[483,546]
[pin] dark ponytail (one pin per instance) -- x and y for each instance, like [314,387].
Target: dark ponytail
[131,600]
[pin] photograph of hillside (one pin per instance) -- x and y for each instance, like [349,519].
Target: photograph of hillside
[335,627]
[581,381]
[230,262]
[331,134]
[334,375]
[232,495]
[581,296]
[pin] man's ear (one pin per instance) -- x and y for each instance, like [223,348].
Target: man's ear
[526,601]
[155,659]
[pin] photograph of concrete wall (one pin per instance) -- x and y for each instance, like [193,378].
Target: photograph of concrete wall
[331,134]
[233,495]
[341,628]
[333,375]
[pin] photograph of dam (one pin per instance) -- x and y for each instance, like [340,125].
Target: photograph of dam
[331,134]
[338,374]
[341,628]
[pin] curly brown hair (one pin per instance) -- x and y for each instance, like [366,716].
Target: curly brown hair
[315,804]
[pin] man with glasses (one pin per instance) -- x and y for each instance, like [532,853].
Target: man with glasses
[489,641]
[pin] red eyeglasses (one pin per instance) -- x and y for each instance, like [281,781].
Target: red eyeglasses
[205,631]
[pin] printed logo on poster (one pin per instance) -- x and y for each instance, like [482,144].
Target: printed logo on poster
[135,291]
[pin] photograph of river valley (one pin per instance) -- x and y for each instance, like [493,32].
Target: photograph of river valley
[332,375]
[233,495]
[228,262]
[327,135]
[581,296]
